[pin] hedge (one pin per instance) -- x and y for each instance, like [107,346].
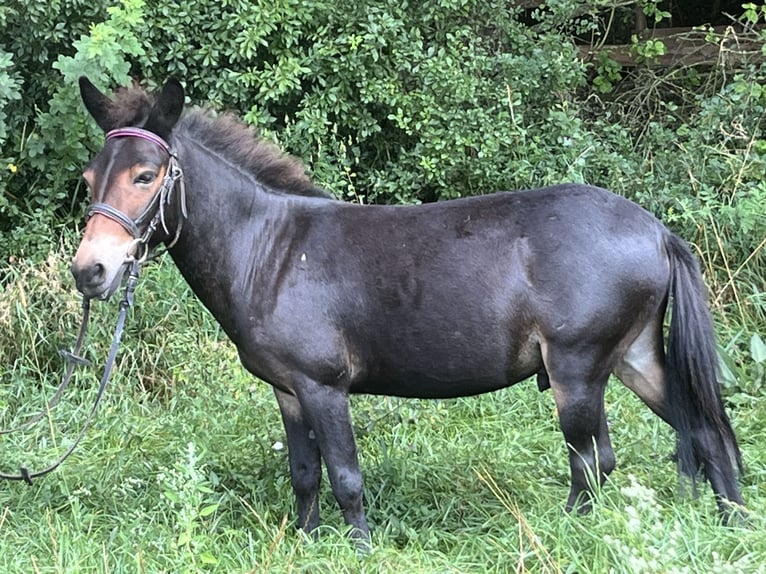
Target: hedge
[391,101]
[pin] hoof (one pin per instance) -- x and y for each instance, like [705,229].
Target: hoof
[734,515]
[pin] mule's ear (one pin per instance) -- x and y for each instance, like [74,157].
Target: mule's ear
[97,104]
[167,109]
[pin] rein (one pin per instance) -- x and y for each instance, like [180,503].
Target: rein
[154,213]
[73,358]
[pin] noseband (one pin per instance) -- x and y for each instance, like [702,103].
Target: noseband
[154,213]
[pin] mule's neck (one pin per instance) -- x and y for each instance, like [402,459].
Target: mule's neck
[237,236]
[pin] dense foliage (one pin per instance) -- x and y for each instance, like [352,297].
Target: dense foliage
[386,101]
[390,101]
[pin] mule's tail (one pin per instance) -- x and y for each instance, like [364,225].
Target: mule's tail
[706,440]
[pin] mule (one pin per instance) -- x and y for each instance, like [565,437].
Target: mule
[324,299]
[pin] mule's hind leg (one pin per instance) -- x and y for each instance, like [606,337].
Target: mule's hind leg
[305,462]
[642,370]
[578,390]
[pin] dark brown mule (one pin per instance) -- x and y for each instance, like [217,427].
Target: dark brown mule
[324,298]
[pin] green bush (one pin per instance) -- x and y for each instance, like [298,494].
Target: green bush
[387,101]
[9,92]
[38,166]
[392,102]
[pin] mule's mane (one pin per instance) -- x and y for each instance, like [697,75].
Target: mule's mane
[240,144]
[226,135]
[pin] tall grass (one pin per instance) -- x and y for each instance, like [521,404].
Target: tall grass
[185,468]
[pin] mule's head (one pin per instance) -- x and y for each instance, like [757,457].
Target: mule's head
[124,180]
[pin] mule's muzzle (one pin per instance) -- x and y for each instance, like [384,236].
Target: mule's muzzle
[95,281]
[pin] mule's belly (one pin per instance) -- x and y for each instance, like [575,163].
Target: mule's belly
[428,371]
[424,386]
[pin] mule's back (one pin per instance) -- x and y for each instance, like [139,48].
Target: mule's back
[459,297]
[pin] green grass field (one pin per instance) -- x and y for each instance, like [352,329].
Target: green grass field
[185,470]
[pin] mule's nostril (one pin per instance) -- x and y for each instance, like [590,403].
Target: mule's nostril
[96,273]
[89,276]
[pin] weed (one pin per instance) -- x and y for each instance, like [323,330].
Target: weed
[179,472]
[191,498]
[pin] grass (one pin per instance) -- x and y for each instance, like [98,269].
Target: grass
[184,469]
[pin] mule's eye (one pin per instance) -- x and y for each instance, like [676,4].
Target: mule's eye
[145,177]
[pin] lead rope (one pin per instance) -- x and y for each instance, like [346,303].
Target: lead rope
[73,358]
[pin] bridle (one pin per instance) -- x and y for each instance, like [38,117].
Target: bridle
[154,214]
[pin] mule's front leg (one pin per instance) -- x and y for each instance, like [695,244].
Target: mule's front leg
[305,462]
[327,411]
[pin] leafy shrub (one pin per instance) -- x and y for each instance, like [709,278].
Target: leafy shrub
[392,102]
[9,91]
[36,173]
[387,102]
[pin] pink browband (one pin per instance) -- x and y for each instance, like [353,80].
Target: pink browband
[139,133]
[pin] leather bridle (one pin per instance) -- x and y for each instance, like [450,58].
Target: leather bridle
[149,219]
